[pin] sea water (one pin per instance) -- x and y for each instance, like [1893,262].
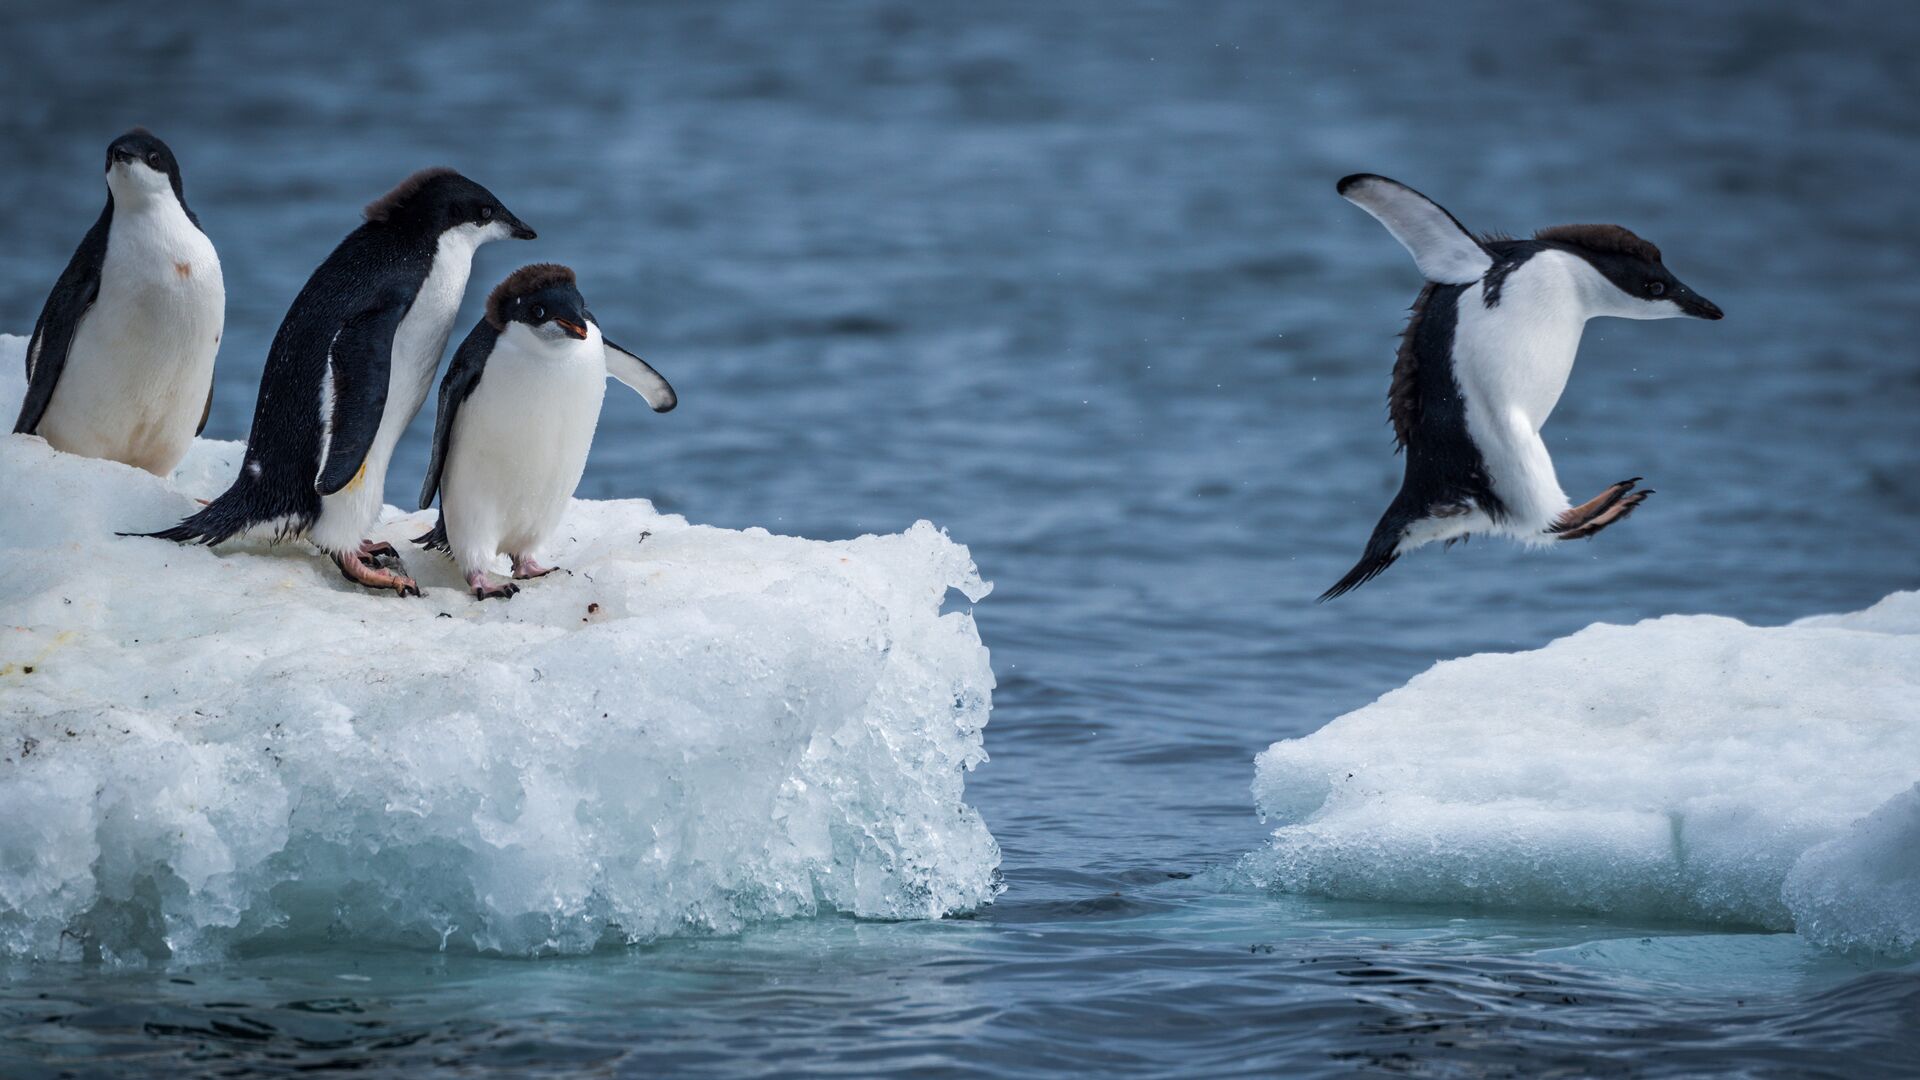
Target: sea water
[1072,284]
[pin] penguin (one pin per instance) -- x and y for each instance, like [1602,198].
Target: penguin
[120,365]
[518,408]
[1484,359]
[349,368]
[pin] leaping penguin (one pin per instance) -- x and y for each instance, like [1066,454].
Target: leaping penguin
[1483,361]
[120,365]
[518,409]
[350,366]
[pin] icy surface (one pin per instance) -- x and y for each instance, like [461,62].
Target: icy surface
[1687,767]
[687,733]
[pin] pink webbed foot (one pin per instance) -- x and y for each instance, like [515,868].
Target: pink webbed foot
[355,568]
[525,567]
[487,590]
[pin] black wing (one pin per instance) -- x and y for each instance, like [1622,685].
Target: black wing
[469,363]
[72,296]
[358,364]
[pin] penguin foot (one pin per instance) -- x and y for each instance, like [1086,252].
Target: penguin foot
[1580,516]
[355,568]
[377,549]
[1617,511]
[487,590]
[525,567]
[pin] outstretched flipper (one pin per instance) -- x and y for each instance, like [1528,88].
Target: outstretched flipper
[354,391]
[72,297]
[639,375]
[1443,249]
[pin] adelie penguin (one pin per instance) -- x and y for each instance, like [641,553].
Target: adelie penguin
[1482,363]
[349,368]
[120,365]
[518,409]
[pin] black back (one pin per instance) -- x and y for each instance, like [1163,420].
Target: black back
[1445,471]
[377,267]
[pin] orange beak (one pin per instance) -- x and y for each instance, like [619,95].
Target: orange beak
[574,330]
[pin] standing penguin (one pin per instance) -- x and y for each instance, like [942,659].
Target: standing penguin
[517,413]
[1482,363]
[120,365]
[350,366]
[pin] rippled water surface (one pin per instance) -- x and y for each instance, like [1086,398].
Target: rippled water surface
[1071,281]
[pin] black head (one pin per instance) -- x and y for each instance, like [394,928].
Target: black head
[139,161]
[434,201]
[544,297]
[1646,288]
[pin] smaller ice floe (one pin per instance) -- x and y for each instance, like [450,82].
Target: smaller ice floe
[1688,767]
[694,729]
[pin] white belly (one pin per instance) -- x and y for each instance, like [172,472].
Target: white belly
[137,375]
[347,515]
[1512,362]
[519,446]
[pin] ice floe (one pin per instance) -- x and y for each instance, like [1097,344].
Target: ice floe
[694,729]
[1688,767]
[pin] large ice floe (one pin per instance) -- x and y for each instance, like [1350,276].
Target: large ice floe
[1688,767]
[694,729]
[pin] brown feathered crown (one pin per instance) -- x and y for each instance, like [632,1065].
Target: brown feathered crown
[527,279]
[1607,238]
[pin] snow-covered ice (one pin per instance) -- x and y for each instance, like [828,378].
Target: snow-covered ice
[688,733]
[1688,767]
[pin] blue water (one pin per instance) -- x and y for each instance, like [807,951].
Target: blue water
[1071,281]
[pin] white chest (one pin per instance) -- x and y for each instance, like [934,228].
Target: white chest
[422,336]
[520,442]
[141,360]
[1513,359]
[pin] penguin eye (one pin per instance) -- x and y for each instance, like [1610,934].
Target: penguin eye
[486,213]
[1656,288]
[539,313]
[153,158]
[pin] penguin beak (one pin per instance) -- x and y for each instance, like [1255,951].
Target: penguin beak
[1699,306]
[574,330]
[519,229]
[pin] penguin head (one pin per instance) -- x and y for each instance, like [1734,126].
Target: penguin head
[1630,280]
[432,202]
[140,166]
[543,299]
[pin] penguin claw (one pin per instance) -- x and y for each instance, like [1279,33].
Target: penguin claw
[487,590]
[355,568]
[530,569]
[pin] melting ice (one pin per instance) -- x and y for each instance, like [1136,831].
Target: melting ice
[1689,767]
[689,732]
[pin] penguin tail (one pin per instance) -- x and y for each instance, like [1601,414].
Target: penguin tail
[436,539]
[1383,549]
[234,512]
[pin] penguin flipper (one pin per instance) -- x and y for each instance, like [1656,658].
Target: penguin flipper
[355,391]
[1443,249]
[72,297]
[639,375]
[469,363]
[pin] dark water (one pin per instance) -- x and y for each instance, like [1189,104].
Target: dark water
[1072,282]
